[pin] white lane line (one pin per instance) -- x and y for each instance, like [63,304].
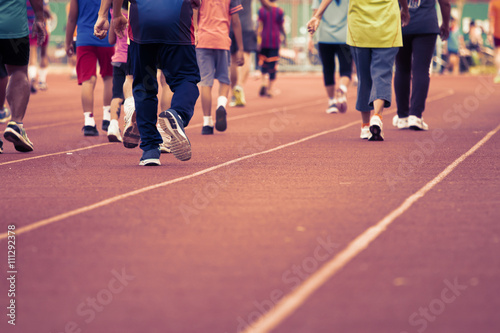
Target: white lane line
[287,305]
[111,200]
[54,154]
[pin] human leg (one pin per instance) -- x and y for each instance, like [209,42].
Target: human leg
[327,56]
[402,77]
[44,64]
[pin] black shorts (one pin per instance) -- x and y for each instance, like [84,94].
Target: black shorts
[496,41]
[120,71]
[249,42]
[15,51]
[3,71]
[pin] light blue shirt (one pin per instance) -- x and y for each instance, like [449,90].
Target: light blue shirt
[333,26]
[13,19]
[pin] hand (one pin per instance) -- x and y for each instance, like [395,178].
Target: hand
[444,31]
[240,60]
[120,24]
[39,31]
[405,17]
[70,50]
[313,25]
[101,27]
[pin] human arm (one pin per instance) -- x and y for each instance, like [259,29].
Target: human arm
[70,26]
[405,12]
[313,23]
[119,21]
[238,35]
[196,19]
[101,26]
[39,24]
[444,30]
[283,33]
[266,4]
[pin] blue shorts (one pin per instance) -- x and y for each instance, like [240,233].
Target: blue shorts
[213,64]
[374,67]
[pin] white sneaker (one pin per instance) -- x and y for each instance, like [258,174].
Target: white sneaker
[332,108]
[341,100]
[165,146]
[365,132]
[401,123]
[114,134]
[376,129]
[417,124]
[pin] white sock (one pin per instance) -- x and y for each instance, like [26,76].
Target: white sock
[42,75]
[106,112]
[332,100]
[129,107]
[89,119]
[222,101]
[32,71]
[208,121]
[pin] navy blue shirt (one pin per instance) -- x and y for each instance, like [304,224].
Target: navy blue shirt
[423,18]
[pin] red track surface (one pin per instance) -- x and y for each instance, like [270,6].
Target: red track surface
[209,245]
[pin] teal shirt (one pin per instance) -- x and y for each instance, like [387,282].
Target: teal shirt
[13,19]
[333,26]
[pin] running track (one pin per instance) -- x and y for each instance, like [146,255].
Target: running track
[287,220]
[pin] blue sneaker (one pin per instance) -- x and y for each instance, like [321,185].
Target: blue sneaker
[5,115]
[17,135]
[151,157]
[172,124]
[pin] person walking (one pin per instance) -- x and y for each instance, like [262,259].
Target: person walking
[272,35]
[332,38]
[374,32]
[213,55]
[14,60]
[413,61]
[161,36]
[89,51]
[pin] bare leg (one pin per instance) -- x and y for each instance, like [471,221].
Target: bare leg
[88,95]
[206,100]
[18,91]
[3,90]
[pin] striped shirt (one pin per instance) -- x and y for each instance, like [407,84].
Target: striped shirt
[272,21]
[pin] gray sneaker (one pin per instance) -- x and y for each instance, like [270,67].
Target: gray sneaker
[173,126]
[17,135]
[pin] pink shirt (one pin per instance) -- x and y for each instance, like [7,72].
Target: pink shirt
[214,21]
[121,46]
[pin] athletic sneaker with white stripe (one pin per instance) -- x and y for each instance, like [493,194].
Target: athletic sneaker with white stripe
[172,124]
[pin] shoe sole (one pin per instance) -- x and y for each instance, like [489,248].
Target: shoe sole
[113,138]
[150,162]
[180,145]
[343,107]
[220,119]
[130,138]
[19,143]
[376,132]
[416,128]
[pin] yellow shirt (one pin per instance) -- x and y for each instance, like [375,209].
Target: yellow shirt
[374,24]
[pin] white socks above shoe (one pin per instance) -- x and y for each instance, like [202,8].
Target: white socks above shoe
[89,119]
[222,101]
[106,112]
[208,121]
[42,75]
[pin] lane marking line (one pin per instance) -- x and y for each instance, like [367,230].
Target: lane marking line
[111,200]
[287,305]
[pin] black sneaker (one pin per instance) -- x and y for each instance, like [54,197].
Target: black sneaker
[207,130]
[105,125]
[18,137]
[172,125]
[220,119]
[90,131]
[151,157]
[263,91]
[1,146]
[33,87]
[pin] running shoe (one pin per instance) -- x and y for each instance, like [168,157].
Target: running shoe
[172,125]
[105,125]
[220,119]
[376,131]
[42,86]
[90,130]
[33,87]
[239,96]
[263,91]
[17,135]
[401,123]
[365,132]
[150,157]
[131,135]
[1,146]
[341,100]
[332,108]
[496,79]
[232,101]
[165,145]
[417,124]
[114,134]
[207,130]
[5,115]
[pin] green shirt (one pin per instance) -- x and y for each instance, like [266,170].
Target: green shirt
[13,19]
[374,24]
